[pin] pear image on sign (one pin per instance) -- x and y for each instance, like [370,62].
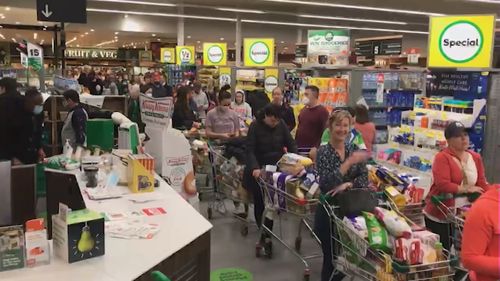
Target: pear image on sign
[461,41]
[86,245]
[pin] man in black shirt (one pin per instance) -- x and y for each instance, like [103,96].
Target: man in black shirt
[286,111]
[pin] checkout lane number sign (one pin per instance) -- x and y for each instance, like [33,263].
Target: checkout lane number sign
[461,41]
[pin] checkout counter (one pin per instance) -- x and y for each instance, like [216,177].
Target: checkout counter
[181,249]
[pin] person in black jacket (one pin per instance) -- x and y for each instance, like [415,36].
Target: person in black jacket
[30,149]
[286,111]
[184,117]
[267,139]
[11,116]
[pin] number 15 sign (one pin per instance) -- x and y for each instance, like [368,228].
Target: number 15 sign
[185,55]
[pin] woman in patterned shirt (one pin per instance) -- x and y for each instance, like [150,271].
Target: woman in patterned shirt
[340,166]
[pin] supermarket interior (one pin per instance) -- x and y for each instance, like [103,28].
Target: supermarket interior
[266,140]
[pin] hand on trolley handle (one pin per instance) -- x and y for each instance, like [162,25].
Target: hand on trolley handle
[343,187]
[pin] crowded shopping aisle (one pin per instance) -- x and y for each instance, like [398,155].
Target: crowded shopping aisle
[270,140]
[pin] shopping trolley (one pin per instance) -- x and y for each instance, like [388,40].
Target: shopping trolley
[457,226]
[227,182]
[354,256]
[278,201]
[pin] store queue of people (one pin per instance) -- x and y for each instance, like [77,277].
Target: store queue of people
[341,143]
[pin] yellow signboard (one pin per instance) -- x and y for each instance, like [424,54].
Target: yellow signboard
[184,54]
[461,41]
[224,76]
[259,52]
[270,80]
[167,55]
[215,54]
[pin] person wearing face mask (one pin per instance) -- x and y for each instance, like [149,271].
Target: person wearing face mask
[455,170]
[222,123]
[286,111]
[340,166]
[75,124]
[267,140]
[312,120]
[158,91]
[28,149]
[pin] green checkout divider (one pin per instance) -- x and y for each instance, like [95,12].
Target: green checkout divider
[231,274]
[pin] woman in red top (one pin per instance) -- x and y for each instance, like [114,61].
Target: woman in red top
[481,238]
[456,170]
[365,127]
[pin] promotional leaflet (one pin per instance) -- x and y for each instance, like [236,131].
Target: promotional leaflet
[167,55]
[259,52]
[156,111]
[185,55]
[215,54]
[329,47]
[461,41]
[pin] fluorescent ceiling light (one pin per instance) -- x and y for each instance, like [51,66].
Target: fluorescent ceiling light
[485,1]
[138,3]
[1,36]
[241,10]
[353,19]
[334,26]
[159,14]
[337,5]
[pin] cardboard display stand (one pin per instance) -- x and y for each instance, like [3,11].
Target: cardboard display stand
[168,146]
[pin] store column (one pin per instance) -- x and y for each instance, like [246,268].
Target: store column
[299,36]
[237,45]
[180,27]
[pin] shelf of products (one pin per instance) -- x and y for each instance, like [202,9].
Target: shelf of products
[176,74]
[296,82]
[208,76]
[250,79]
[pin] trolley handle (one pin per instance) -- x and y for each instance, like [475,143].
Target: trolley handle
[439,199]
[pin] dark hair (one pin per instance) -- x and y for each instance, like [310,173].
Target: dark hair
[362,114]
[314,90]
[72,95]
[271,110]
[224,96]
[9,84]
[31,92]
[225,88]
[182,98]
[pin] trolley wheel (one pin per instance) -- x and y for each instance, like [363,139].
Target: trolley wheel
[209,213]
[298,244]
[244,230]
[307,274]
[268,248]
[258,249]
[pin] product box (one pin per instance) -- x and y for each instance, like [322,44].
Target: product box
[11,247]
[78,236]
[140,172]
[37,245]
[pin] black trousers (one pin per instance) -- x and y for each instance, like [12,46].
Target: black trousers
[444,230]
[324,229]
[250,183]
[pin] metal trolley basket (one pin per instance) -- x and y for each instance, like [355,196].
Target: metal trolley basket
[227,178]
[457,226]
[278,201]
[354,257]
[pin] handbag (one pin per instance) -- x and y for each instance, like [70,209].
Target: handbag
[353,202]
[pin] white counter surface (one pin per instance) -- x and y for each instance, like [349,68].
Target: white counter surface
[128,259]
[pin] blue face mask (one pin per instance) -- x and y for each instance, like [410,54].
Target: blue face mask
[38,109]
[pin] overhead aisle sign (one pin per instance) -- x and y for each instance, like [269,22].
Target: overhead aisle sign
[461,41]
[259,52]
[185,55]
[215,54]
[68,11]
